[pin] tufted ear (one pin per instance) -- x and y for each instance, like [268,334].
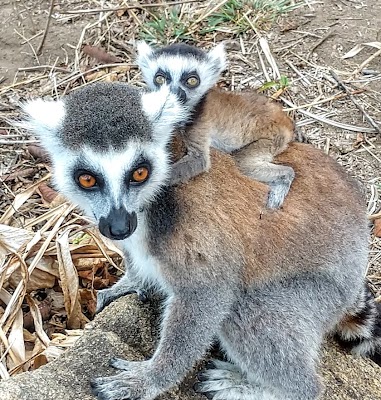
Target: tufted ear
[165,111]
[217,57]
[144,54]
[43,119]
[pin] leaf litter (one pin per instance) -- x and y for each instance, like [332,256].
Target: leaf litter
[52,259]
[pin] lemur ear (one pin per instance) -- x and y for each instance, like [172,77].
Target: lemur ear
[217,57]
[165,111]
[144,53]
[43,119]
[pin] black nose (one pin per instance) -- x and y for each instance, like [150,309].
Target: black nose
[119,224]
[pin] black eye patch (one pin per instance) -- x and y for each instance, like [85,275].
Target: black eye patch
[161,73]
[186,75]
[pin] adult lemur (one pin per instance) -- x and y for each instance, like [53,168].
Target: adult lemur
[247,125]
[268,285]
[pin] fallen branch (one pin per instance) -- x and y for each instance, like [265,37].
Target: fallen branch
[354,101]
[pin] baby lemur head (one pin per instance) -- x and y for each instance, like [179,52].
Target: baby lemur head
[190,72]
[108,144]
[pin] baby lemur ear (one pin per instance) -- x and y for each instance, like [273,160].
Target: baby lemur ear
[217,57]
[165,112]
[43,119]
[144,53]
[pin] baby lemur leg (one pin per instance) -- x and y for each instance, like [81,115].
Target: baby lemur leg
[255,161]
[127,284]
[196,160]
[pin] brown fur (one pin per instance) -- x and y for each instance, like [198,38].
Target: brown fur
[218,210]
[252,128]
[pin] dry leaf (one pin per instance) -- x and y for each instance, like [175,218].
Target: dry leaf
[69,282]
[23,173]
[121,69]
[12,239]
[37,319]
[19,200]
[38,280]
[121,12]
[100,54]
[47,193]
[377,227]
[95,75]
[15,342]
[39,152]
[359,47]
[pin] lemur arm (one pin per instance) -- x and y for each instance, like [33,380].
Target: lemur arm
[196,160]
[191,319]
[129,283]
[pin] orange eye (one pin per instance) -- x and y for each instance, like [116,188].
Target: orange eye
[87,181]
[140,175]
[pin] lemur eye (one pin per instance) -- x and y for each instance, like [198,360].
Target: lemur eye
[160,79]
[140,175]
[87,181]
[192,81]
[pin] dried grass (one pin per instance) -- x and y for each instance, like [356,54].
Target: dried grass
[52,260]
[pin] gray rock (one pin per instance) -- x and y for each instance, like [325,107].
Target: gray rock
[129,329]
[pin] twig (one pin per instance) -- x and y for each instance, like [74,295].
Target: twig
[30,45]
[131,7]
[374,216]
[355,102]
[37,67]
[328,121]
[46,27]
[367,61]
[320,42]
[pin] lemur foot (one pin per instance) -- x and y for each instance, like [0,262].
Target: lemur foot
[224,381]
[135,382]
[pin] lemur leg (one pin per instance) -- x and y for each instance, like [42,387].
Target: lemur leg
[196,160]
[278,356]
[255,161]
[127,284]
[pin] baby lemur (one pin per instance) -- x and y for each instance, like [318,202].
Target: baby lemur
[247,125]
[268,288]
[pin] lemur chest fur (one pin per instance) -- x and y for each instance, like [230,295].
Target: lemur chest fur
[145,264]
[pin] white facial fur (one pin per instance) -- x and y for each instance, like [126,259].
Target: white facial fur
[163,115]
[113,167]
[209,70]
[46,120]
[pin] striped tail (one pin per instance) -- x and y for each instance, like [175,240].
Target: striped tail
[360,329]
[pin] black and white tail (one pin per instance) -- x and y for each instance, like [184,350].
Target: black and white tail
[360,329]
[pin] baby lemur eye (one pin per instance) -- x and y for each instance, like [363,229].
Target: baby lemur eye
[87,181]
[192,81]
[140,174]
[160,79]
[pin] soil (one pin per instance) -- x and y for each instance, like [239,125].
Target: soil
[22,27]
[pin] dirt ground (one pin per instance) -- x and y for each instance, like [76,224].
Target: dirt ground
[306,45]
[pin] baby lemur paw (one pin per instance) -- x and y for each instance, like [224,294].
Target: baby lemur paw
[279,189]
[134,383]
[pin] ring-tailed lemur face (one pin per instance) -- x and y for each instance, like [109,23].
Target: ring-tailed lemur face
[189,71]
[108,144]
